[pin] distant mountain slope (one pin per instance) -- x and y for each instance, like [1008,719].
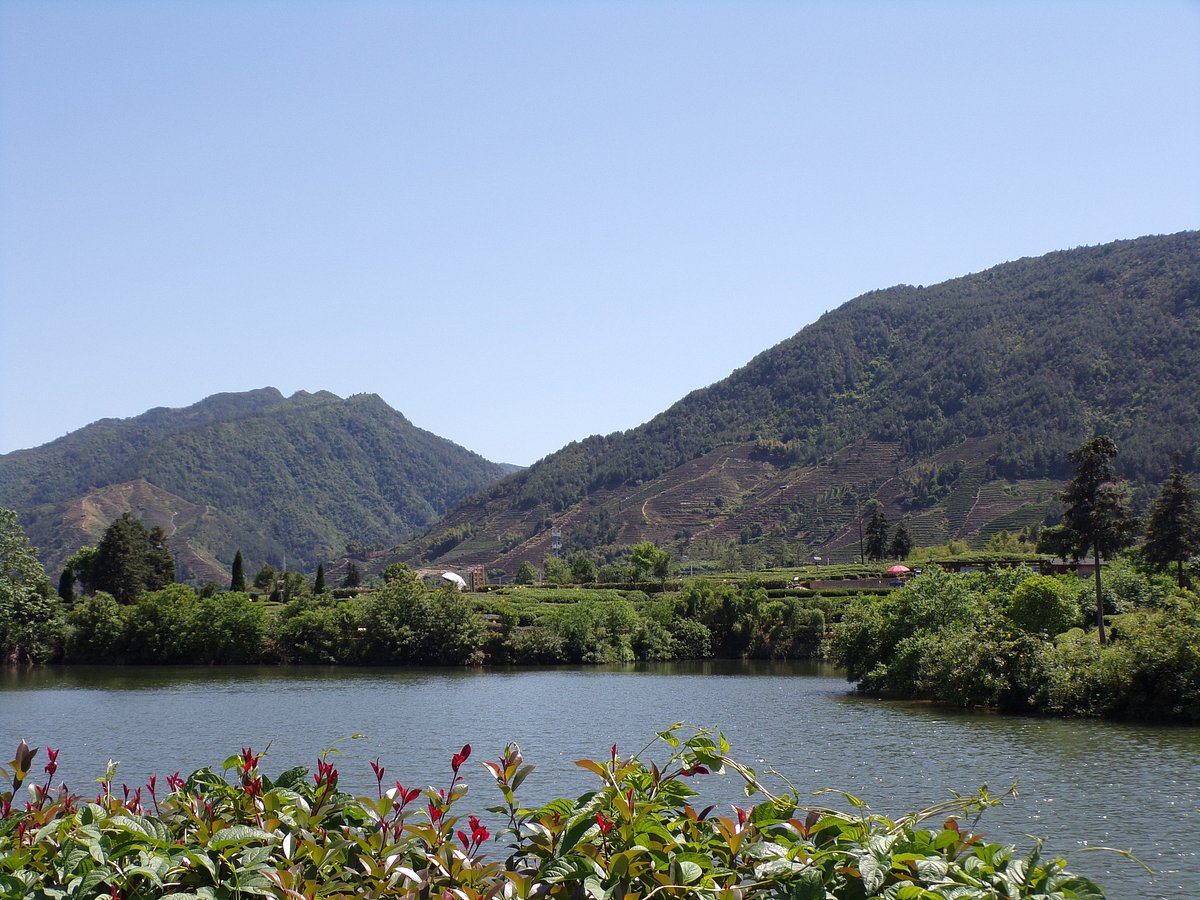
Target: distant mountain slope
[296,477]
[954,404]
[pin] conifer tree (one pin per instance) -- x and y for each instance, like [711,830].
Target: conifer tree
[902,543]
[1173,526]
[237,580]
[159,562]
[877,534]
[131,559]
[319,582]
[353,577]
[1097,518]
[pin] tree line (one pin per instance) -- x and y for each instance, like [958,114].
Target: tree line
[129,609]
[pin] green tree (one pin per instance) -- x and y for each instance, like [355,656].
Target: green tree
[647,559]
[555,570]
[1055,540]
[229,629]
[1097,517]
[97,628]
[31,619]
[902,543]
[291,585]
[526,573]
[159,628]
[1173,526]
[159,561]
[318,630]
[405,622]
[401,572]
[237,579]
[614,573]
[319,581]
[83,564]
[265,578]
[877,534]
[583,570]
[1041,604]
[353,576]
[131,560]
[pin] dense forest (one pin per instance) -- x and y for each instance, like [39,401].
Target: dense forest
[298,478]
[1014,365]
[1040,351]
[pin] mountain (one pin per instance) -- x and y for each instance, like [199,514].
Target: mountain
[954,405]
[282,478]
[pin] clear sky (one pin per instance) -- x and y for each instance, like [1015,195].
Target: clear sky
[524,223]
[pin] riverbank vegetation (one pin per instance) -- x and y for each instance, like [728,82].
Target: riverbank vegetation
[1020,642]
[407,623]
[1005,637]
[642,832]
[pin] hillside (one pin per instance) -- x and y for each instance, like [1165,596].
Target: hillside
[296,478]
[955,405]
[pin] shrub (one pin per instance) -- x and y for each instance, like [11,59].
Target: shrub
[1041,604]
[638,834]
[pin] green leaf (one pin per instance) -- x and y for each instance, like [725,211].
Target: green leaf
[253,856]
[201,860]
[292,778]
[873,872]
[146,872]
[947,838]
[932,870]
[237,835]
[521,774]
[575,832]
[136,824]
[809,886]
[689,871]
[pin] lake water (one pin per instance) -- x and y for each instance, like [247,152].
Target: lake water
[1081,784]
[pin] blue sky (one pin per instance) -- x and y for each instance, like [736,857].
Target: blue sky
[524,223]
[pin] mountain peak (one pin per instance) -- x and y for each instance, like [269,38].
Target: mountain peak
[295,478]
[954,404]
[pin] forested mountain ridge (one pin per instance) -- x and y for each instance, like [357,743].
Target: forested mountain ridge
[945,402]
[295,477]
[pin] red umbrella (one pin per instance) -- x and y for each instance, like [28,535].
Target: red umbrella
[898,570]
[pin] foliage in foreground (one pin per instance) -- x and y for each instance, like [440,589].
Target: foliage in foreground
[636,835]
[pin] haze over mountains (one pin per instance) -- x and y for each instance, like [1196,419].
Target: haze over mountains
[954,405]
[293,479]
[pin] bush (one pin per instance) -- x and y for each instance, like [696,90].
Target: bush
[96,630]
[638,834]
[985,641]
[1041,604]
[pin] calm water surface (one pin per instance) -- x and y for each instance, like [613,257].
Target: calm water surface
[1081,784]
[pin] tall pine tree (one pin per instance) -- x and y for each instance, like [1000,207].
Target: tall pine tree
[319,583]
[237,579]
[1173,526]
[1097,518]
[877,534]
[902,543]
